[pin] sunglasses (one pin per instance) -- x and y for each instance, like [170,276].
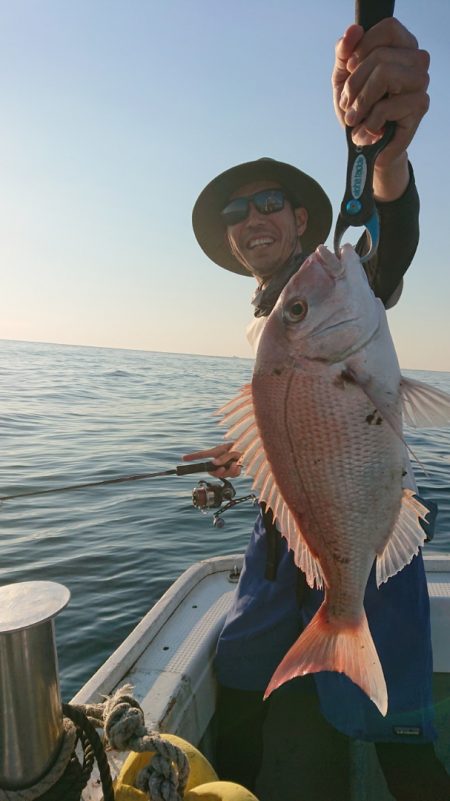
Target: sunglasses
[266,202]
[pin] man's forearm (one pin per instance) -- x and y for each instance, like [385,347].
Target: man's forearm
[389,183]
[399,237]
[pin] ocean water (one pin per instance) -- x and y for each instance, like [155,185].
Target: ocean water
[70,415]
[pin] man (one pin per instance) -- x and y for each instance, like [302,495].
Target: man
[262,218]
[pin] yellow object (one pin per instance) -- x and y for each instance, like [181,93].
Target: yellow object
[220,791]
[200,770]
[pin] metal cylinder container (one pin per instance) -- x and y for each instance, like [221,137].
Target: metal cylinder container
[31,720]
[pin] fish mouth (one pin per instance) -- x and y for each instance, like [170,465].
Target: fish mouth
[359,345]
[334,326]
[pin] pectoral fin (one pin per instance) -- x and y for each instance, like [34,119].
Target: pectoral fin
[385,402]
[423,405]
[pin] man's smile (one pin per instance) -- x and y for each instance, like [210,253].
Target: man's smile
[260,241]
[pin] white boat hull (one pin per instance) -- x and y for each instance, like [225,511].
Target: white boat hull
[168,658]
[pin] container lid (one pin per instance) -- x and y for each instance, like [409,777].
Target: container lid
[29,603]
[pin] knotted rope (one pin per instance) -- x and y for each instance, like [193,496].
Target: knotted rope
[122,719]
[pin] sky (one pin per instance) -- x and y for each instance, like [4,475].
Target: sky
[115,115]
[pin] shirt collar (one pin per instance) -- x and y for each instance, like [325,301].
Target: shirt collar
[266,295]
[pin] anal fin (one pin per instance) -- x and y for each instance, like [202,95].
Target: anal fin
[405,540]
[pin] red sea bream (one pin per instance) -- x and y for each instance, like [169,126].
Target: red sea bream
[320,431]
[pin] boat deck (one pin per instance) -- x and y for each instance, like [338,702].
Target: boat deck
[168,658]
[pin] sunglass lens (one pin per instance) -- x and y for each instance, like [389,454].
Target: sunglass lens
[266,202]
[269,201]
[236,211]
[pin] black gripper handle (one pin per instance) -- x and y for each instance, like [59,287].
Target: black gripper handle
[369,12]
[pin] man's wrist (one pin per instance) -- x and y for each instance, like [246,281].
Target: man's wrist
[391,181]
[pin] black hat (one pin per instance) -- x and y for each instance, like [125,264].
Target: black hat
[303,191]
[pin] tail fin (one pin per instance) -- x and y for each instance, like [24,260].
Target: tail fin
[325,645]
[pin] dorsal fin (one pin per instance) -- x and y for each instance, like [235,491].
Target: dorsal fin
[239,415]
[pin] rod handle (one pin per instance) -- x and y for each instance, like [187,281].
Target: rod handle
[199,467]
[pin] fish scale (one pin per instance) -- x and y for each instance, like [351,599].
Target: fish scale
[320,462]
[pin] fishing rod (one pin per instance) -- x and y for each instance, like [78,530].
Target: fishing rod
[179,470]
[206,495]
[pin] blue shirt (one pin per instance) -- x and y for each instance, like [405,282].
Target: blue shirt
[265,620]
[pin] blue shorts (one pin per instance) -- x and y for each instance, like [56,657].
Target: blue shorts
[265,620]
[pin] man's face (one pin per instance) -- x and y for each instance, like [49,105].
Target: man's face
[264,242]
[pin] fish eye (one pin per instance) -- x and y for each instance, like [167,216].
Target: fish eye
[295,312]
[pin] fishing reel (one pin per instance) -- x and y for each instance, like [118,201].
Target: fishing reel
[213,494]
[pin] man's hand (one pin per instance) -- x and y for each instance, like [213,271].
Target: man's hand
[382,75]
[220,455]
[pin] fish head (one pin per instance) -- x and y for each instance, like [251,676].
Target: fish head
[326,312]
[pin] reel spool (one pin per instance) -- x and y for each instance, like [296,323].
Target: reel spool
[217,495]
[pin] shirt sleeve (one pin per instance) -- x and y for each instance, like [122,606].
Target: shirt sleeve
[399,237]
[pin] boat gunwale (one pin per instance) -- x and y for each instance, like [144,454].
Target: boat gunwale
[120,662]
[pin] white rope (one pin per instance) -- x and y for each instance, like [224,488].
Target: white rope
[165,778]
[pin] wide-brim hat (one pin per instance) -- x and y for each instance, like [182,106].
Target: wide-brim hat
[302,190]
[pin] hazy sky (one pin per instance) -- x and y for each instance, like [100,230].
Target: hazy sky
[114,117]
